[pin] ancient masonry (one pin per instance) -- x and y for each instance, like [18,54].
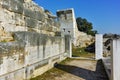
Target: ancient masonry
[30,40]
[69,27]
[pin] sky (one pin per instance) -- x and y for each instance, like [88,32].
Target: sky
[103,14]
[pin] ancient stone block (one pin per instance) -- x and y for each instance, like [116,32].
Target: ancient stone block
[29,13]
[19,20]
[5,36]
[27,0]
[40,16]
[56,24]
[16,6]
[57,33]
[50,21]
[21,1]
[31,23]
[13,5]
[6,4]
[48,27]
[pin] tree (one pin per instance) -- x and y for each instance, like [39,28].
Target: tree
[85,26]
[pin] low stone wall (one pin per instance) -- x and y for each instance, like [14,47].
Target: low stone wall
[30,55]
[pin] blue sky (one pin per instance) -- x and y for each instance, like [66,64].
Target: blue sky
[104,14]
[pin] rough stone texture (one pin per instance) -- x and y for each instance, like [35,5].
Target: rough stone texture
[5,36]
[25,15]
[106,47]
[34,37]
[29,44]
[30,55]
[83,40]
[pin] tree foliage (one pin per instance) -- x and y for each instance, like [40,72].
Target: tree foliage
[85,26]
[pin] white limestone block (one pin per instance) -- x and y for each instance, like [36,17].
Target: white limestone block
[99,46]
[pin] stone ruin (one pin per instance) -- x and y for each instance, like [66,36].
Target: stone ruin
[30,40]
[33,39]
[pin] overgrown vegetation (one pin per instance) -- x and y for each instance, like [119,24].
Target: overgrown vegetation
[81,52]
[85,26]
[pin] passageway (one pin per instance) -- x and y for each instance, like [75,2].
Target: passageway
[76,70]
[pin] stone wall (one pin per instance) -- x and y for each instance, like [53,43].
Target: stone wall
[28,54]
[68,23]
[68,26]
[84,40]
[30,40]
[20,15]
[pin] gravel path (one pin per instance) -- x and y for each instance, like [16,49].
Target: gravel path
[76,70]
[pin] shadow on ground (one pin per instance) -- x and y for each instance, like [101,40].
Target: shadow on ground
[98,74]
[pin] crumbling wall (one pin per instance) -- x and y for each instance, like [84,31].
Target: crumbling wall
[29,44]
[20,15]
[84,40]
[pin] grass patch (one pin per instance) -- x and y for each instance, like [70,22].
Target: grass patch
[49,75]
[54,72]
[80,52]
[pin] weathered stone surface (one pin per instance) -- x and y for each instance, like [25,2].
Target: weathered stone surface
[83,40]
[68,23]
[13,5]
[57,24]
[29,13]
[16,6]
[40,16]
[50,21]
[32,23]
[19,20]
[5,36]
[42,63]
[10,48]
[6,4]
[27,0]
[30,51]
[26,16]
[28,45]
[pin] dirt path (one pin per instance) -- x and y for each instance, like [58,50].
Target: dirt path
[76,70]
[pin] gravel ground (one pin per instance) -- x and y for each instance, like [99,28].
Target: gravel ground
[76,70]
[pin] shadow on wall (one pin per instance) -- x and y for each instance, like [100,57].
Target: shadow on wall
[86,74]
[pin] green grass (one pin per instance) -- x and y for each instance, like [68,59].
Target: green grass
[49,75]
[80,52]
